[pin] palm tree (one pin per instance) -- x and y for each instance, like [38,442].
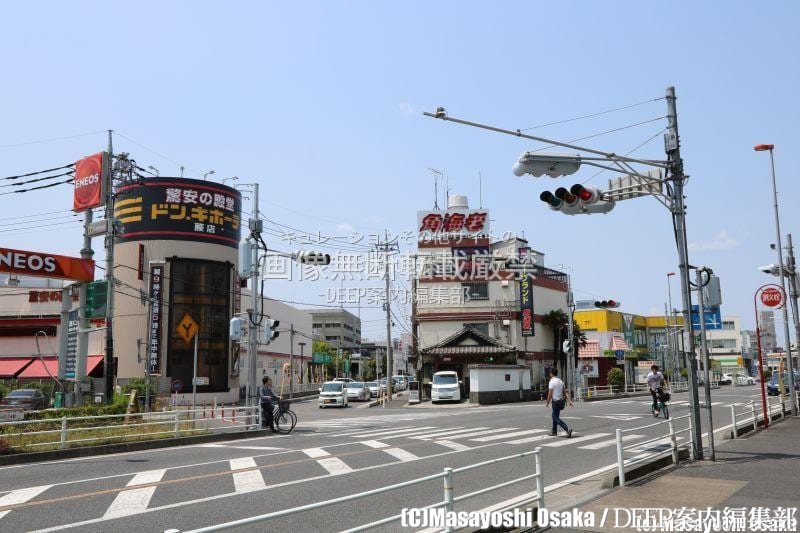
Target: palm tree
[558,320]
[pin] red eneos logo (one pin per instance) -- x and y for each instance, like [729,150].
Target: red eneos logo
[88,182]
[772,297]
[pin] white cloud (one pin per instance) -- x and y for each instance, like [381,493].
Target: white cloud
[722,241]
[406,108]
[345,227]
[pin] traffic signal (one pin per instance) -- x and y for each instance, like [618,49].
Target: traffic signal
[554,165]
[237,329]
[96,299]
[313,258]
[270,329]
[607,304]
[579,199]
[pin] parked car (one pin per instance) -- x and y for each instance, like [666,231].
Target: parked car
[726,379]
[445,386]
[333,394]
[400,382]
[375,388]
[27,399]
[358,391]
[344,380]
[772,384]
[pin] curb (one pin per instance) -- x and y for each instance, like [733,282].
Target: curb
[105,449]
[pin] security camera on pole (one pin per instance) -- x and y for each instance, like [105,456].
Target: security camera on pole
[580,199]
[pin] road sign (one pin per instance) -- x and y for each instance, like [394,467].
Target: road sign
[712,315]
[320,359]
[201,381]
[176,385]
[772,296]
[98,227]
[187,327]
[620,354]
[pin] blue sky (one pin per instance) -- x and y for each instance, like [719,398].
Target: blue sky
[321,103]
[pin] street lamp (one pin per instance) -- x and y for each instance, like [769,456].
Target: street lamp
[207,174]
[670,326]
[302,347]
[154,169]
[789,366]
[632,185]
[234,178]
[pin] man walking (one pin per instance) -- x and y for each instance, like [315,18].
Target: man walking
[559,395]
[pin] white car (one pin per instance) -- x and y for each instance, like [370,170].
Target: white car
[333,394]
[358,391]
[445,386]
[745,380]
[375,388]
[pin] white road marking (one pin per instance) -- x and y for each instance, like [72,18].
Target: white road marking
[569,442]
[315,452]
[607,443]
[333,465]
[448,433]
[248,481]
[453,445]
[530,439]
[508,435]
[374,443]
[135,501]
[383,434]
[372,432]
[401,454]
[234,447]
[16,497]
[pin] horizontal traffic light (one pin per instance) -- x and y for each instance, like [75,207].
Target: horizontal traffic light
[607,304]
[578,199]
[313,258]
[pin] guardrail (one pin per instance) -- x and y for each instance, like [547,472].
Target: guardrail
[64,432]
[753,415]
[448,502]
[671,434]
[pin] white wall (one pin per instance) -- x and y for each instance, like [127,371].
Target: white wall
[493,379]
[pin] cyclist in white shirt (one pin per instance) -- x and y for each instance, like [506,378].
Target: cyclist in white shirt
[656,381]
[559,395]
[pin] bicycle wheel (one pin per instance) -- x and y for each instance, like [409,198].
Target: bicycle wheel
[283,423]
[293,416]
[665,410]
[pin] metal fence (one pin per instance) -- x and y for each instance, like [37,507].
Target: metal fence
[66,432]
[448,501]
[751,415]
[669,437]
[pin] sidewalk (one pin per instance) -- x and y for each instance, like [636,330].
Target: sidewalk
[758,471]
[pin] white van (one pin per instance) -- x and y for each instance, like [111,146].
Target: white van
[445,386]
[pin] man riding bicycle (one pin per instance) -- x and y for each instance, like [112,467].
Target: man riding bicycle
[657,382]
[266,396]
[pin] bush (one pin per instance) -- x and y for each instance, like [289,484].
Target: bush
[684,373]
[616,377]
[3,390]
[87,410]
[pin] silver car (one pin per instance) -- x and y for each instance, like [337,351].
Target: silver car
[358,391]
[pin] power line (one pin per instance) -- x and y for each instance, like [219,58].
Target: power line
[593,114]
[53,139]
[17,184]
[37,188]
[38,172]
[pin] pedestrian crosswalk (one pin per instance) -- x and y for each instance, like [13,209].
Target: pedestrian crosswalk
[381,420]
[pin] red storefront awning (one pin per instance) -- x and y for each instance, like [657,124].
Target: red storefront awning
[618,343]
[591,350]
[41,370]
[10,367]
[94,361]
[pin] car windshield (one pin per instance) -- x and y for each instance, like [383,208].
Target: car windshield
[332,387]
[355,385]
[23,393]
[445,379]
[372,384]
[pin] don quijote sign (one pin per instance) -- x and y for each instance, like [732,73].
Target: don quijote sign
[45,265]
[90,174]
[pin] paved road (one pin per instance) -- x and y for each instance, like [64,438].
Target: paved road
[331,453]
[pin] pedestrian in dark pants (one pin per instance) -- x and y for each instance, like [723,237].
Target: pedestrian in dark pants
[266,396]
[559,395]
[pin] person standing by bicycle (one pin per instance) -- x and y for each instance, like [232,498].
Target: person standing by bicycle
[657,382]
[266,396]
[559,395]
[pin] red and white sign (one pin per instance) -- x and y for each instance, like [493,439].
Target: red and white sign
[45,265]
[89,182]
[772,296]
[453,223]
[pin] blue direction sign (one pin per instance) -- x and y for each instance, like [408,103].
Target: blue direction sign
[620,354]
[712,315]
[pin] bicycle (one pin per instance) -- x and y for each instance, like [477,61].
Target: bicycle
[662,397]
[284,418]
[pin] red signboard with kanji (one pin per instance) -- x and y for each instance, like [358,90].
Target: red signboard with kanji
[453,222]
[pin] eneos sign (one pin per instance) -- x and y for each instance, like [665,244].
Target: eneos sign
[772,296]
[46,265]
[89,182]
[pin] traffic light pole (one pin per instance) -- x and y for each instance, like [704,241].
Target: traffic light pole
[253,320]
[109,368]
[792,275]
[679,218]
[706,362]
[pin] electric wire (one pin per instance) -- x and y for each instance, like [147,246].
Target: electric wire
[37,188]
[593,114]
[659,132]
[17,184]
[53,139]
[38,172]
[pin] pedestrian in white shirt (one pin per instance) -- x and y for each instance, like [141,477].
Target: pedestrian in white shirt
[559,395]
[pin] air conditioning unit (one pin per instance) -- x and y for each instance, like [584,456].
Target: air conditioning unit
[504,283]
[506,322]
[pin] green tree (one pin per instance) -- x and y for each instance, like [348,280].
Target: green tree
[558,321]
[616,377]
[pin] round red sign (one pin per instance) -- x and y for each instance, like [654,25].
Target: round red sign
[772,297]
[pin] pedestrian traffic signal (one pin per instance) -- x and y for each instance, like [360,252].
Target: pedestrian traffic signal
[270,329]
[607,304]
[578,199]
[96,299]
[237,329]
[313,258]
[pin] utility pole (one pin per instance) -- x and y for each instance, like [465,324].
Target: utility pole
[302,349]
[415,322]
[792,275]
[256,226]
[109,368]
[386,247]
[572,378]
[291,361]
[678,209]
[704,351]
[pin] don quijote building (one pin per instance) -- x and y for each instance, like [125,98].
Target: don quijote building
[480,301]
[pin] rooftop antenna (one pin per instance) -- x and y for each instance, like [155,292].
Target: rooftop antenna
[480,190]
[436,175]
[447,190]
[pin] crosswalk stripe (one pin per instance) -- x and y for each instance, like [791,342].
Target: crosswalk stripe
[568,442]
[21,496]
[415,433]
[475,434]
[135,501]
[449,432]
[374,443]
[401,454]
[249,481]
[373,432]
[333,465]
[315,452]
[453,445]
[507,435]
[389,432]
[531,439]
[607,443]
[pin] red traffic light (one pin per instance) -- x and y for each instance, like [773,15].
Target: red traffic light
[607,304]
